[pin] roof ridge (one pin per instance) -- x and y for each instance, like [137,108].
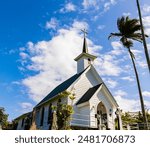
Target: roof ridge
[60,88]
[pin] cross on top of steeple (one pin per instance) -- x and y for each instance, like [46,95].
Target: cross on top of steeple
[85,32]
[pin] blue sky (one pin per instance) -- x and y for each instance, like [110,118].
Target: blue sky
[40,39]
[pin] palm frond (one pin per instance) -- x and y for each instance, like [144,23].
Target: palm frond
[126,42]
[136,36]
[129,29]
[121,23]
[114,35]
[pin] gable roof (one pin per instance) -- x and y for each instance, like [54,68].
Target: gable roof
[86,97]
[60,88]
[113,99]
[23,115]
[104,85]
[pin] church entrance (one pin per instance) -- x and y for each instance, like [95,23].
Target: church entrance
[101,117]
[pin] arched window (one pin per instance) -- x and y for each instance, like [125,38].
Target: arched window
[42,117]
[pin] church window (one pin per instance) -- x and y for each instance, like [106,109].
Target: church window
[50,114]
[22,122]
[42,117]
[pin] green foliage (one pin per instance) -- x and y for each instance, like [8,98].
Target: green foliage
[64,112]
[3,118]
[128,31]
[148,117]
[128,119]
[54,108]
[134,119]
[64,94]
[72,96]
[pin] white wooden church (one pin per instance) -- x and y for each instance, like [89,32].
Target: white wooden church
[94,106]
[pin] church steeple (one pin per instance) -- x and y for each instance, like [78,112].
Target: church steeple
[84,59]
[85,48]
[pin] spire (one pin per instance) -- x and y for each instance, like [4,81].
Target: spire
[84,59]
[85,48]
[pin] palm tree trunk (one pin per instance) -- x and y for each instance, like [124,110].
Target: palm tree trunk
[143,36]
[139,89]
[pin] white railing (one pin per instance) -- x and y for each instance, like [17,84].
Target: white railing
[138,126]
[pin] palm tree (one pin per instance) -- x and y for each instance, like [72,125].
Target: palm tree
[128,31]
[143,36]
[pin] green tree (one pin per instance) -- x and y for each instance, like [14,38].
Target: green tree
[64,111]
[3,118]
[129,31]
[127,119]
[135,119]
[143,36]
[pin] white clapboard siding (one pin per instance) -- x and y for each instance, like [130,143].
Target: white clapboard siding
[85,82]
[94,101]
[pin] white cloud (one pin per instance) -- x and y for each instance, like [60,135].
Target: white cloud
[120,93]
[146,22]
[146,9]
[16,83]
[108,4]
[51,24]
[126,14]
[142,64]
[127,104]
[146,94]
[25,107]
[108,65]
[111,83]
[23,55]
[139,58]
[131,105]
[78,25]
[101,27]
[128,78]
[117,48]
[96,4]
[136,52]
[89,3]
[69,7]
[116,45]
[53,60]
